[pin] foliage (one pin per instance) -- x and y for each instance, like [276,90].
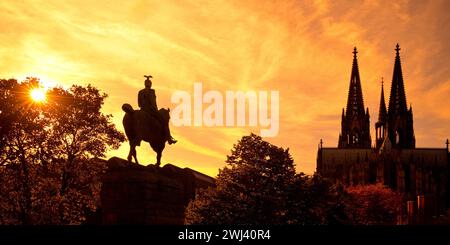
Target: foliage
[251,189]
[48,170]
[375,205]
[313,200]
[259,186]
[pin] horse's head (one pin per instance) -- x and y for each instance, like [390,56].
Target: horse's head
[165,114]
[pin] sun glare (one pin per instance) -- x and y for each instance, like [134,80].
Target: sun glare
[38,94]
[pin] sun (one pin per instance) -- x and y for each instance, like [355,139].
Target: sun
[38,95]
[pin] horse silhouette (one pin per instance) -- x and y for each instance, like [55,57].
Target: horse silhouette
[142,126]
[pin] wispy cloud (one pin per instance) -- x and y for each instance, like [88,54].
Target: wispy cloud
[301,48]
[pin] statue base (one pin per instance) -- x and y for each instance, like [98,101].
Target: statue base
[136,194]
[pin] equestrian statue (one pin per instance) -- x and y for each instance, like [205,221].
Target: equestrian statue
[147,124]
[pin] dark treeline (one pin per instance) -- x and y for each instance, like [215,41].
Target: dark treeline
[259,186]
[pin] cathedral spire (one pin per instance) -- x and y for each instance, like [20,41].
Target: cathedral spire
[381,125]
[355,102]
[397,99]
[355,124]
[400,119]
[382,112]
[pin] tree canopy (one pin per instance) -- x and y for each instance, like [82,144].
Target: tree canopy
[48,171]
[375,205]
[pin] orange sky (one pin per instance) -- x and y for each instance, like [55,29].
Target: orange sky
[301,48]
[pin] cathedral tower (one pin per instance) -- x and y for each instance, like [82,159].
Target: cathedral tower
[355,125]
[399,118]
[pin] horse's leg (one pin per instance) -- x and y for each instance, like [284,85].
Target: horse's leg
[135,155]
[130,153]
[158,158]
[159,153]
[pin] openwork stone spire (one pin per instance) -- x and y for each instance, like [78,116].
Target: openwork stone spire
[397,99]
[400,119]
[355,101]
[355,129]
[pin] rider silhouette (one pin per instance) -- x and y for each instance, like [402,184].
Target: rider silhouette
[147,102]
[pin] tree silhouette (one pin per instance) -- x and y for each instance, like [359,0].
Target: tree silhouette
[48,171]
[251,189]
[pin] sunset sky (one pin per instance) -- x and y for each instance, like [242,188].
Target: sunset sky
[303,49]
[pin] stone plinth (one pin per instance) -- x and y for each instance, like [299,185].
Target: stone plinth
[136,194]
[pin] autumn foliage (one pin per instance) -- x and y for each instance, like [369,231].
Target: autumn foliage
[375,205]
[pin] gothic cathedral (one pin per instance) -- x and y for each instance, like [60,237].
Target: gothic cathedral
[393,160]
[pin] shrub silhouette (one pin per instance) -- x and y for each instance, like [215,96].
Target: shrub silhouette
[375,205]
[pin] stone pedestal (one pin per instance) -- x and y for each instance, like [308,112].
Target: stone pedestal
[136,194]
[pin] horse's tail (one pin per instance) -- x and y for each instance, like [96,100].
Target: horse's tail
[127,108]
[128,122]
